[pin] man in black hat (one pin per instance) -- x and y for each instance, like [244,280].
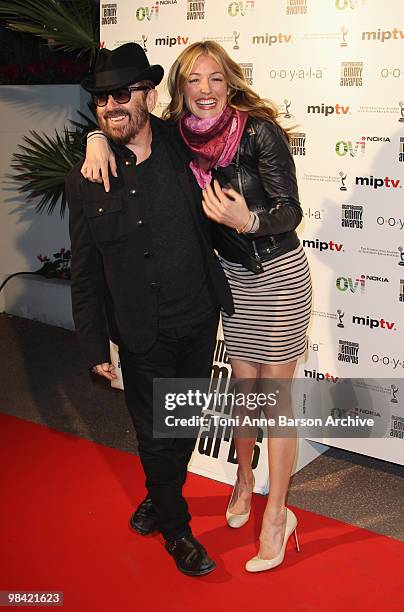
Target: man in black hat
[145,275]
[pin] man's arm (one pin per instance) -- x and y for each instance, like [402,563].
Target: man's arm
[87,284]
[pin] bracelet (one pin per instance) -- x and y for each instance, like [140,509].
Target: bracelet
[241,230]
[254,226]
[95,133]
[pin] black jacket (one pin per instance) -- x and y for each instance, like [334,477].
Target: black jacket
[114,289]
[263,171]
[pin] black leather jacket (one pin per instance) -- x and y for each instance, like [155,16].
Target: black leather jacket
[263,171]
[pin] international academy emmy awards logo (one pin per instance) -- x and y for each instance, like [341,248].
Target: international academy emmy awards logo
[401,105]
[340,315]
[343,179]
[394,391]
[287,114]
[236,37]
[144,39]
[344,32]
[401,251]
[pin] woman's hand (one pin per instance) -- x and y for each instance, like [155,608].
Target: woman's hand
[225,206]
[98,156]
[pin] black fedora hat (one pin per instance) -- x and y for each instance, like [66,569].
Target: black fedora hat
[124,65]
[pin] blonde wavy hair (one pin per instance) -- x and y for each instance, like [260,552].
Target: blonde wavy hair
[240,96]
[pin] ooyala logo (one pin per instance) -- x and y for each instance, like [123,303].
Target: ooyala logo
[395,222]
[314,213]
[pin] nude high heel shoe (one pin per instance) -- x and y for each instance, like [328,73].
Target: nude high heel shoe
[256,564]
[236,520]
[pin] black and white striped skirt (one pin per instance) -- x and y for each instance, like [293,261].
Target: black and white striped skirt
[272,309]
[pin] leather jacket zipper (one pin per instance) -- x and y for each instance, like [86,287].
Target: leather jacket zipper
[240,186]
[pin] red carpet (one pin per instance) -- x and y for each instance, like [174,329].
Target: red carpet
[65,504]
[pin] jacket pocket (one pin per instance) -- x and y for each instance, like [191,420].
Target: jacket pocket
[107,220]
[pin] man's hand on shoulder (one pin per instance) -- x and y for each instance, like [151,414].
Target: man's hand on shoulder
[106,370]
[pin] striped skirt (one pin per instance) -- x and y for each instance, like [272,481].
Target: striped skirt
[272,309]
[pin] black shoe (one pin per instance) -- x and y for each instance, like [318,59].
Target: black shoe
[190,556]
[144,519]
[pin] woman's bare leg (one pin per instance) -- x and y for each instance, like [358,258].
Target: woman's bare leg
[281,457]
[244,446]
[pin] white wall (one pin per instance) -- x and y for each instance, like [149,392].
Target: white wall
[24,234]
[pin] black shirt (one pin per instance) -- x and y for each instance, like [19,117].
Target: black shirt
[183,294]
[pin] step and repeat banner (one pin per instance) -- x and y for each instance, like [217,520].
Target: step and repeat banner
[335,69]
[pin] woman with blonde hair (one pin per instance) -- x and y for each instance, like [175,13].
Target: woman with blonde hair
[242,162]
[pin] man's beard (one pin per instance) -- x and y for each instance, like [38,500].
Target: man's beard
[123,134]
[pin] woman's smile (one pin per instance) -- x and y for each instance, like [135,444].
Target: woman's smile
[206,89]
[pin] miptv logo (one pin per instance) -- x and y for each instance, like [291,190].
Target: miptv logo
[374,323]
[382,35]
[172,40]
[377,182]
[328,109]
[271,39]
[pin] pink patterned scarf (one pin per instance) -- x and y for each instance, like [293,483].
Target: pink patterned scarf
[213,141]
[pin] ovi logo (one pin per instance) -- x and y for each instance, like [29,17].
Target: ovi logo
[344,283]
[342,5]
[343,147]
[242,7]
[145,12]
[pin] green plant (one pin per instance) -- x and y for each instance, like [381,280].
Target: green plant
[57,267]
[43,162]
[71,26]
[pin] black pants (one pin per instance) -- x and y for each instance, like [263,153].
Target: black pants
[184,352]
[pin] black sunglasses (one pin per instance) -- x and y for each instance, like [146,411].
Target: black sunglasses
[121,96]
